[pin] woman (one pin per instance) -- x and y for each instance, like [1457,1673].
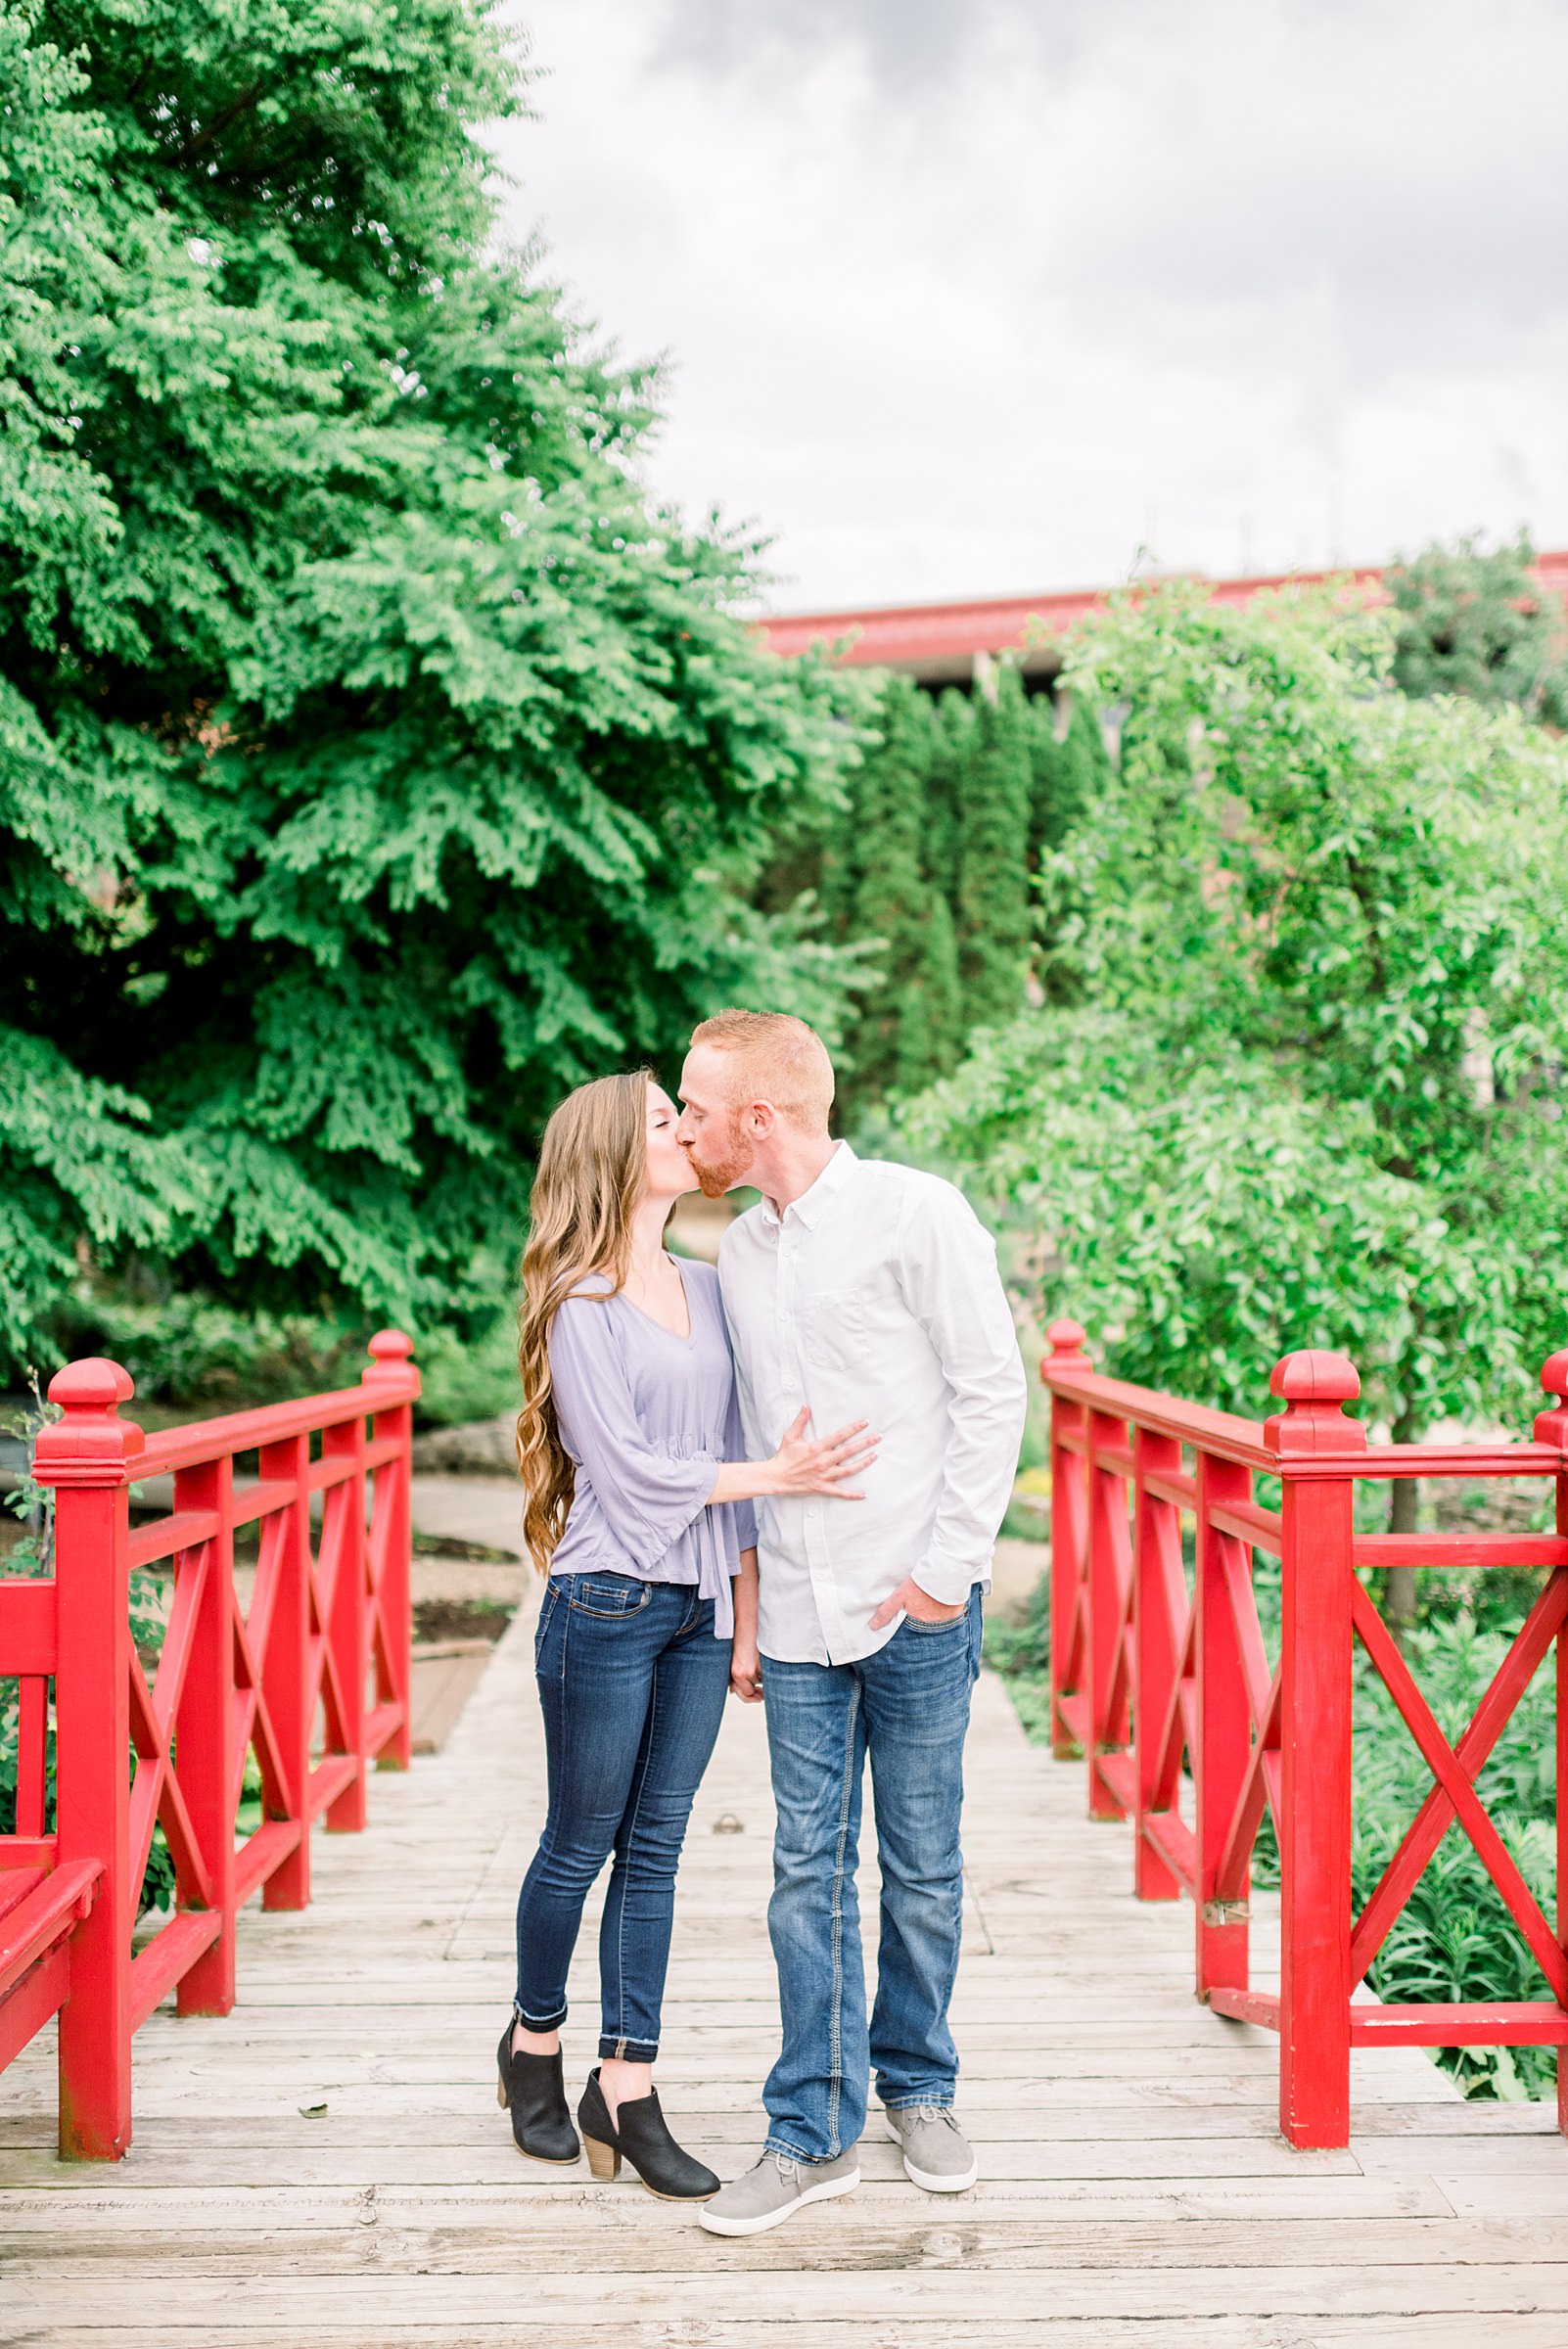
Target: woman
[638,1507]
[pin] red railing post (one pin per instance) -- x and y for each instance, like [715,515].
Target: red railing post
[1069,1543]
[390,1541]
[1154,1522]
[208,1763]
[1551,1427]
[1224,1737]
[343,1538]
[1318,1572]
[290,1664]
[85,1458]
[1108,1544]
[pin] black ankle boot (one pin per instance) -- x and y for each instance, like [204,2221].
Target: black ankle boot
[533,2091]
[641,2134]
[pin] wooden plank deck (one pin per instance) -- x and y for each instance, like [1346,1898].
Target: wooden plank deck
[328,2165]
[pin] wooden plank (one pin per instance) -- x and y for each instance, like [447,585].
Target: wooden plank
[779,2333]
[843,2239]
[600,2302]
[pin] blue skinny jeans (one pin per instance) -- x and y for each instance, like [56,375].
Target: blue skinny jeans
[631,1684]
[906,1707]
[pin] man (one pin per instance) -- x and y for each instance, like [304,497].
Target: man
[862,1290]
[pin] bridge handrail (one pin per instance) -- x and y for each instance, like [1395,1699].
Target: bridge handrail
[325,1640]
[1150,1685]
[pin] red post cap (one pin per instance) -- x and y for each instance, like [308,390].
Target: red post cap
[1066,1340]
[391,1357]
[1551,1427]
[1314,1385]
[89,1443]
[94,1387]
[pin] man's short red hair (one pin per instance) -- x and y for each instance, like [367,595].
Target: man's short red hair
[774,1058]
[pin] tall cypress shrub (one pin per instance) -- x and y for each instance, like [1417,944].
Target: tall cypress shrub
[891,895]
[931,1033]
[952,724]
[994,801]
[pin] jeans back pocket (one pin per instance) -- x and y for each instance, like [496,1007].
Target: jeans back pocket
[607,1594]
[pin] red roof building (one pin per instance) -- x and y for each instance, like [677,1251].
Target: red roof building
[941,644]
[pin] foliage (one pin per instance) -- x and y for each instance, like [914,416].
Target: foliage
[994,804]
[907,1026]
[1202,1218]
[467,1379]
[924,871]
[191,1352]
[1478,623]
[374,763]
[1299,1079]
[1070,774]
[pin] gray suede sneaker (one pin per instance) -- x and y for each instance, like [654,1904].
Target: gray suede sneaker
[768,2194]
[937,2154]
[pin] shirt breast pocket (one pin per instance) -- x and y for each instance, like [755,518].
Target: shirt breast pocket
[838,1334]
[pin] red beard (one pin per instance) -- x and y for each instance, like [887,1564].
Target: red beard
[720,1175]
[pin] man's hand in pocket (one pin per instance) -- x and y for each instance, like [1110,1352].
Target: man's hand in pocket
[911,1600]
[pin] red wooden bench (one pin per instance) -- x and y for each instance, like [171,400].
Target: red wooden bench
[312,1678]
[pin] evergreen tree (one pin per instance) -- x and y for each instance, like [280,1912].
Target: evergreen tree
[1069,775]
[1047,758]
[953,723]
[932,1035]
[375,764]
[996,794]
[890,900]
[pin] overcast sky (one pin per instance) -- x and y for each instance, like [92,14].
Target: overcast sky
[977,297]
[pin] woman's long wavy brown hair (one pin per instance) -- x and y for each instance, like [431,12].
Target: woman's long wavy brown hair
[593,1163]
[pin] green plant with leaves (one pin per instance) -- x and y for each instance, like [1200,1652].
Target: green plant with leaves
[1300,1080]
[1201,1219]
[375,762]
[1477,622]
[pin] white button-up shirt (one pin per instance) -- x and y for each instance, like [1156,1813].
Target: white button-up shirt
[875,1297]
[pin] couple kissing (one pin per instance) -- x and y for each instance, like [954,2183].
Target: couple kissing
[783,1478]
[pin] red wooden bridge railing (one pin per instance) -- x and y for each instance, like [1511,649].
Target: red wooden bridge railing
[1149,1684]
[312,1678]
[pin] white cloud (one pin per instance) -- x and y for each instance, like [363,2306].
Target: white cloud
[972,298]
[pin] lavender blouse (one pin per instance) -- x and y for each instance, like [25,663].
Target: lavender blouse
[647,1417]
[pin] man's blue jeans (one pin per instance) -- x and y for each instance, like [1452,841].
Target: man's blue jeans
[633,1685]
[906,1707]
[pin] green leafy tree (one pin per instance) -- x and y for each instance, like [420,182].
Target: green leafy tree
[995,791]
[1306,1087]
[1478,623]
[374,762]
